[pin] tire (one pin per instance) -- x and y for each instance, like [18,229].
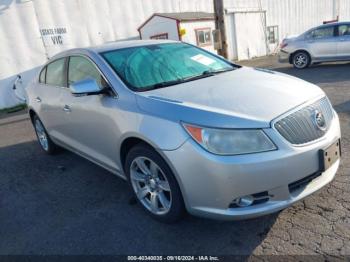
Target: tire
[154,184]
[45,142]
[301,60]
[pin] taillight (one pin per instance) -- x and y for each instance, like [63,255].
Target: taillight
[283,45]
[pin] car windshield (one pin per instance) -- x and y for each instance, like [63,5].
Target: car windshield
[159,65]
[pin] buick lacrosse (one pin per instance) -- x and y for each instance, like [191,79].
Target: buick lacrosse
[188,129]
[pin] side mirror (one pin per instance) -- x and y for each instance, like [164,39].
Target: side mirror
[86,87]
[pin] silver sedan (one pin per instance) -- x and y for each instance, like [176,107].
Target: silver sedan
[326,43]
[187,129]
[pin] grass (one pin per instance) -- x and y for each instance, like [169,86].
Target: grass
[13,109]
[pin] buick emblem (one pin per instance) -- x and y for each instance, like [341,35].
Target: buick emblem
[319,120]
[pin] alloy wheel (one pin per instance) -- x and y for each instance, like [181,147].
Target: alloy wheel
[150,185]
[41,133]
[301,60]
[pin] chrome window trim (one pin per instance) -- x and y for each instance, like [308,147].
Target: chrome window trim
[67,57]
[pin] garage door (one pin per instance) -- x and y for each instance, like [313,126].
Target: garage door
[250,35]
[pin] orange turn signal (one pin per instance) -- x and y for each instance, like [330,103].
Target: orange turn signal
[195,132]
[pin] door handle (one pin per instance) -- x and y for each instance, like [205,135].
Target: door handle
[342,39]
[66,108]
[38,99]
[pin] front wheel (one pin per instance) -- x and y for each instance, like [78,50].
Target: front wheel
[44,140]
[154,184]
[301,60]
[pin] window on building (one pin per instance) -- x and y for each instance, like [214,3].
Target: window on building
[272,34]
[160,36]
[55,74]
[203,36]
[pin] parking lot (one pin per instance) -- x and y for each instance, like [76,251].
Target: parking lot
[64,204]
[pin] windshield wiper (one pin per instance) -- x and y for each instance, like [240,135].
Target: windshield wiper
[222,70]
[204,74]
[165,84]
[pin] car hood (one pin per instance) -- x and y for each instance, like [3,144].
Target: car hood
[244,98]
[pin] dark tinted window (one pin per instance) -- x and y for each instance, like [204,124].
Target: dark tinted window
[80,68]
[55,73]
[42,75]
[344,30]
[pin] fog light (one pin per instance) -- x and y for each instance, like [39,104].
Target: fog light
[244,201]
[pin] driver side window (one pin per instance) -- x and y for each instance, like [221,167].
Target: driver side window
[80,68]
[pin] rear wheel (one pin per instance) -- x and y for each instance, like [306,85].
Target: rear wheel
[44,140]
[154,184]
[301,60]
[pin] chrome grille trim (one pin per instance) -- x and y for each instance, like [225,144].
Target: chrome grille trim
[298,127]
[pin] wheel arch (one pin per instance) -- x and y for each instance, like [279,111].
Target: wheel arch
[32,113]
[131,141]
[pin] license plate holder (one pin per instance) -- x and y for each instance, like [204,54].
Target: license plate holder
[329,155]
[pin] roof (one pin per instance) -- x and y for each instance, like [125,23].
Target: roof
[128,43]
[188,16]
[334,23]
[328,24]
[183,17]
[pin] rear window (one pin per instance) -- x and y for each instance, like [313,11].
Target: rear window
[55,73]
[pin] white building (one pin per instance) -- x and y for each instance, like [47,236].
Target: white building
[31,31]
[192,27]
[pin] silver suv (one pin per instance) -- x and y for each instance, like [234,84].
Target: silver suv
[326,43]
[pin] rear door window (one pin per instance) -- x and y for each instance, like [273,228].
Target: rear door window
[322,33]
[55,73]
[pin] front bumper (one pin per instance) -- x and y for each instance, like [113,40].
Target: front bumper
[209,183]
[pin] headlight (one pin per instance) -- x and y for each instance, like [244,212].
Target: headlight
[230,141]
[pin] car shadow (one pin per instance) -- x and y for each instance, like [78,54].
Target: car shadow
[64,204]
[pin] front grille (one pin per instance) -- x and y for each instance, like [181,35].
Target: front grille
[300,127]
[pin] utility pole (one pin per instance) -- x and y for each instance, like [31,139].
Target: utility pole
[220,25]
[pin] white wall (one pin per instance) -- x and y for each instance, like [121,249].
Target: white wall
[21,48]
[160,25]
[292,16]
[77,23]
[190,36]
[250,35]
